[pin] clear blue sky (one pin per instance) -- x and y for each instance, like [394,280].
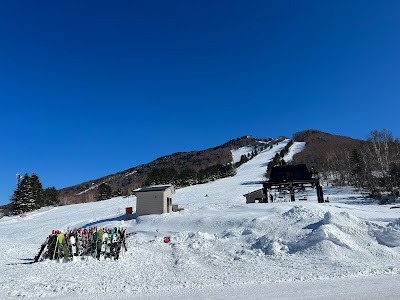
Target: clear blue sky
[89,88]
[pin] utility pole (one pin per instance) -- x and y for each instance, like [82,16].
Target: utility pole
[18,179]
[18,196]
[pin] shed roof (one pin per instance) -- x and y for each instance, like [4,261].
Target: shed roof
[154,188]
[253,192]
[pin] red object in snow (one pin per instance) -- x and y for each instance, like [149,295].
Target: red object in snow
[166,239]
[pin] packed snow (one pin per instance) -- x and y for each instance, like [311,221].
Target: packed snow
[221,247]
[246,150]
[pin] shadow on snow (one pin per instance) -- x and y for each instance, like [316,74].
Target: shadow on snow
[24,261]
[252,182]
[123,217]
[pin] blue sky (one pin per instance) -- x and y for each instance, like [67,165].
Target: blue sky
[90,88]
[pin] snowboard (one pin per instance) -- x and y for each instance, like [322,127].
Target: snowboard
[99,242]
[61,248]
[72,241]
[36,259]
[50,246]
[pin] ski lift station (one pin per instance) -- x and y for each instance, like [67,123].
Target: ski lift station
[289,179]
[156,199]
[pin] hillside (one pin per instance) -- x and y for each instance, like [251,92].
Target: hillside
[4,210]
[220,247]
[132,178]
[320,145]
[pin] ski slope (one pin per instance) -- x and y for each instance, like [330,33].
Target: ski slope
[221,248]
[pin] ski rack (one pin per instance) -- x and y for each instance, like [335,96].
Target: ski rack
[82,243]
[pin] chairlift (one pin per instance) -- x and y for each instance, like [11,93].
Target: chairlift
[281,196]
[303,195]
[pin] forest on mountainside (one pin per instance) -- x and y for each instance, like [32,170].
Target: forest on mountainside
[372,166]
[180,169]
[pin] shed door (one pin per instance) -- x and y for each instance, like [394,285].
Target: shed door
[169,204]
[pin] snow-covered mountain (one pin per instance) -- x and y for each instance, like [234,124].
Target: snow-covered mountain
[221,247]
[178,163]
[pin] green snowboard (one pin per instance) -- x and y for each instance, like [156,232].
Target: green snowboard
[61,247]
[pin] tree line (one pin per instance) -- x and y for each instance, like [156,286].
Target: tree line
[104,192]
[246,157]
[29,195]
[373,166]
[188,176]
[278,159]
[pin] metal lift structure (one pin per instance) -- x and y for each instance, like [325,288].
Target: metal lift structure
[292,179]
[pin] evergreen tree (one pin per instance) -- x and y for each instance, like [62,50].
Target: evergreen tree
[161,176]
[29,195]
[25,194]
[104,192]
[243,159]
[117,193]
[357,168]
[50,196]
[37,191]
[16,200]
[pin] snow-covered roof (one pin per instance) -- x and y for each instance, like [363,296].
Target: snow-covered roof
[154,188]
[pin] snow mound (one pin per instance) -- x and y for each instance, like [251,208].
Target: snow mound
[388,237]
[395,223]
[344,236]
[302,213]
[326,239]
[344,221]
[272,247]
[335,234]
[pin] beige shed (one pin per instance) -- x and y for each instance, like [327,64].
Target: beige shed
[156,199]
[256,196]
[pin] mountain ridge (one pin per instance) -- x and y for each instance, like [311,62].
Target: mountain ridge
[125,181]
[321,145]
[318,145]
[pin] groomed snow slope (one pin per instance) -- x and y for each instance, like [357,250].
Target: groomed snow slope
[220,246]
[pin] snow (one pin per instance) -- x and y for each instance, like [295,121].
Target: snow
[237,153]
[221,248]
[295,148]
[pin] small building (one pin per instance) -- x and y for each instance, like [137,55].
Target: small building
[156,199]
[256,196]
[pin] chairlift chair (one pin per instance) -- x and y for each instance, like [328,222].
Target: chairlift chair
[304,195]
